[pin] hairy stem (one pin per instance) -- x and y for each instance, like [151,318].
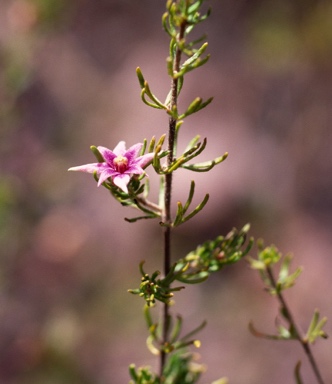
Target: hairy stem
[287,313]
[167,218]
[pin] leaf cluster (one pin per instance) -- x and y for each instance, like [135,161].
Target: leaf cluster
[178,21]
[290,332]
[214,255]
[271,262]
[195,267]
[268,258]
[153,288]
[181,368]
[142,375]
[176,340]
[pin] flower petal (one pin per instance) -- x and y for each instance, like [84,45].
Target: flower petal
[134,170]
[105,174]
[111,168]
[107,154]
[90,168]
[121,180]
[120,149]
[132,152]
[142,161]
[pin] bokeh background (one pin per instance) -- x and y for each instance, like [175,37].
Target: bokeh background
[67,81]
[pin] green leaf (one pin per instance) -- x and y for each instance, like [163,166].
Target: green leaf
[215,254]
[152,144]
[152,96]
[256,264]
[284,269]
[140,77]
[194,331]
[197,209]
[205,166]
[148,317]
[284,333]
[161,197]
[168,27]
[194,7]
[195,56]
[149,103]
[315,329]
[223,380]
[176,330]
[179,215]
[193,279]
[98,155]
[269,255]
[161,141]
[169,64]
[190,196]
[289,281]
[198,63]
[193,142]
[195,106]
[187,156]
[151,347]
[181,368]
[132,372]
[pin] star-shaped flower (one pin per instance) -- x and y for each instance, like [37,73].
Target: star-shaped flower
[120,164]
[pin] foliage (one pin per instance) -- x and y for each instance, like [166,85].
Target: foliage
[165,338]
[268,259]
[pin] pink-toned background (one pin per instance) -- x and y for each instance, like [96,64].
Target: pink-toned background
[67,81]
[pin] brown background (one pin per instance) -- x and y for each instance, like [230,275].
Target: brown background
[67,81]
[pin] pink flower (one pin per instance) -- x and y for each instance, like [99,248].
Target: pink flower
[120,164]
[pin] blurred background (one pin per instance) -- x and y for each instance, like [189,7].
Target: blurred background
[67,81]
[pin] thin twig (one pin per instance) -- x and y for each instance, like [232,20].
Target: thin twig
[288,315]
[148,204]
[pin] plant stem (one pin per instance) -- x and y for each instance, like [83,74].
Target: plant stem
[287,313]
[167,218]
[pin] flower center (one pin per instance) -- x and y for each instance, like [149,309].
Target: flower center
[120,163]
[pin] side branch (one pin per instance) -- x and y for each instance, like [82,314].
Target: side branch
[288,315]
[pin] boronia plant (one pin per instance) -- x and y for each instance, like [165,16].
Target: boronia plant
[123,172]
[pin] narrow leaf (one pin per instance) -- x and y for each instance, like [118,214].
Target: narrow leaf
[153,105]
[97,154]
[179,215]
[140,77]
[176,330]
[194,57]
[197,209]
[194,331]
[190,197]
[152,144]
[154,350]
[205,166]
[152,96]
[192,143]
[193,280]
